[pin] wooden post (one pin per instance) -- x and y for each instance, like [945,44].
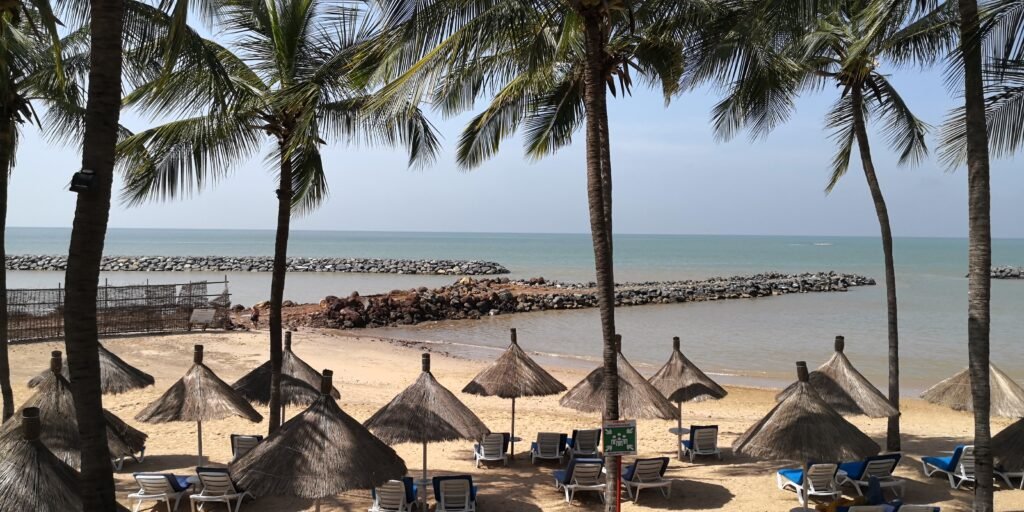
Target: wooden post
[512,435]
[679,420]
[803,376]
[199,432]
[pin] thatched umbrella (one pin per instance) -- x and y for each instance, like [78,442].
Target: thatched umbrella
[292,365]
[255,387]
[116,376]
[1008,447]
[681,381]
[56,405]
[514,374]
[320,452]
[803,427]
[637,397]
[425,412]
[31,477]
[955,393]
[841,386]
[200,395]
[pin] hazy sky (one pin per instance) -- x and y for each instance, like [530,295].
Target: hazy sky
[670,176]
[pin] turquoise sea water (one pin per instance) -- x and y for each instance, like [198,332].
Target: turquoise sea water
[746,341]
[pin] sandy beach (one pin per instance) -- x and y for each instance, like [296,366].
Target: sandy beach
[369,371]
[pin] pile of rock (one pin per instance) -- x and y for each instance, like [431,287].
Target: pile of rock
[470,298]
[1007,272]
[264,264]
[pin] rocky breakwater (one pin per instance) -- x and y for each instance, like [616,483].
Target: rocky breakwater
[1007,272]
[264,264]
[473,298]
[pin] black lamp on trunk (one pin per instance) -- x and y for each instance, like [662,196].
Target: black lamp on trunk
[82,181]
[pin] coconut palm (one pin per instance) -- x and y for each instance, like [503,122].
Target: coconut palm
[844,47]
[28,31]
[284,77]
[548,67]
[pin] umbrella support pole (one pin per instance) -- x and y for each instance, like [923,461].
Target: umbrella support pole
[679,431]
[199,432]
[618,485]
[316,507]
[512,435]
[423,487]
[282,412]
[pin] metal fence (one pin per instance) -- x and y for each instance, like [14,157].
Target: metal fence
[39,314]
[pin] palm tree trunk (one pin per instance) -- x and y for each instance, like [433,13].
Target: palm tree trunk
[88,232]
[6,150]
[280,271]
[860,130]
[979,250]
[596,110]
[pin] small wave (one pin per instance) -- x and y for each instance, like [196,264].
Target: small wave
[822,244]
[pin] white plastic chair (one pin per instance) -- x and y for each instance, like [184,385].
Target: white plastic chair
[156,487]
[391,497]
[549,446]
[961,472]
[583,475]
[243,444]
[821,481]
[217,488]
[705,442]
[648,474]
[585,443]
[455,497]
[491,449]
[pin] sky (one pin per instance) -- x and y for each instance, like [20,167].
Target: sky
[670,177]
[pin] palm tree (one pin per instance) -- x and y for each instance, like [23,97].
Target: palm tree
[547,67]
[88,232]
[27,30]
[979,251]
[288,81]
[844,48]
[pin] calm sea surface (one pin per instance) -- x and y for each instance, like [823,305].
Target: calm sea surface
[745,341]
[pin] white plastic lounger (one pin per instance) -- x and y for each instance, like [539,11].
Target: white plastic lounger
[455,495]
[159,487]
[391,497]
[586,443]
[243,444]
[549,446]
[703,441]
[581,475]
[958,467]
[859,474]
[646,474]
[821,481]
[218,488]
[491,449]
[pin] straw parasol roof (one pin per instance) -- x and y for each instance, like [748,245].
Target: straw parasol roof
[845,389]
[425,412]
[56,407]
[1008,447]
[320,452]
[514,375]
[32,478]
[292,365]
[116,376]
[681,381]
[637,397]
[802,427]
[200,395]
[1007,397]
[255,387]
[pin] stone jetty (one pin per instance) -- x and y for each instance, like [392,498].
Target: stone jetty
[264,264]
[473,298]
[1007,272]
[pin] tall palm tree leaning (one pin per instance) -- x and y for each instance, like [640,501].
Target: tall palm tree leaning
[88,233]
[27,31]
[288,81]
[844,48]
[547,66]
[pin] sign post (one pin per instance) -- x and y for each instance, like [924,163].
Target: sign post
[619,438]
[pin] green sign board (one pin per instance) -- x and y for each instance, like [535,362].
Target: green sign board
[620,437]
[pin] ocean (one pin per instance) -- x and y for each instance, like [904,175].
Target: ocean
[741,341]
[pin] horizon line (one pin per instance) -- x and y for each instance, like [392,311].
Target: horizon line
[406,232]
